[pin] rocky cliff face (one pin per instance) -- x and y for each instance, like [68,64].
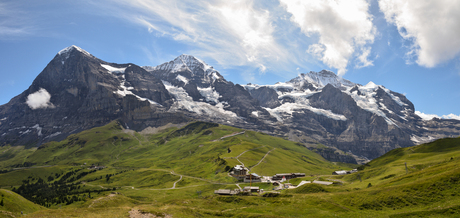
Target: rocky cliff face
[365,120]
[77,91]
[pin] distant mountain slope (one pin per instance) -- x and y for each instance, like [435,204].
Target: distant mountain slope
[77,91]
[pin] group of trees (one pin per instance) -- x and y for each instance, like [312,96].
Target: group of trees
[62,191]
[107,176]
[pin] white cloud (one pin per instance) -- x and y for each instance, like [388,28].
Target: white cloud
[426,116]
[39,99]
[363,58]
[343,27]
[234,33]
[432,26]
[431,116]
[451,116]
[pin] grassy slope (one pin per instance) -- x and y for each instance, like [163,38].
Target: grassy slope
[429,189]
[11,155]
[193,150]
[13,204]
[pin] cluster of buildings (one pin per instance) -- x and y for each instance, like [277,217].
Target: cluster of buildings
[241,173]
[344,172]
[247,189]
[256,189]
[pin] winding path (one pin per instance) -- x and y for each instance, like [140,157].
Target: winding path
[174,185]
[131,133]
[262,159]
[234,134]
[245,152]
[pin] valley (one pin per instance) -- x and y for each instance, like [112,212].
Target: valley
[109,171]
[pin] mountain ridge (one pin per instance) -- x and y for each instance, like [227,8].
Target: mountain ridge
[77,91]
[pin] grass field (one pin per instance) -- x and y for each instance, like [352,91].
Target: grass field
[176,171]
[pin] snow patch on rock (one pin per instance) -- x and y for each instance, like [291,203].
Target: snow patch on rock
[366,100]
[210,94]
[53,135]
[182,78]
[113,69]
[38,128]
[123,91]
[184,101]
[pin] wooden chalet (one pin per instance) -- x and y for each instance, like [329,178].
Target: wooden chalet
[252,178]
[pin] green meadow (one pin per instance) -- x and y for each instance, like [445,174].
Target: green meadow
[175,172]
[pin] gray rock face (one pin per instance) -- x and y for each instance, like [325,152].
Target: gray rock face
[367,121]
[266,96]
[77,91]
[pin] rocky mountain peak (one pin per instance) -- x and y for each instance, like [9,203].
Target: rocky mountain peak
[184,63]
[184,68]
[66,52]
[321,79]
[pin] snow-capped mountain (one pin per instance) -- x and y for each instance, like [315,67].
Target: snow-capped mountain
[77,91]
[321,79]
[193,67]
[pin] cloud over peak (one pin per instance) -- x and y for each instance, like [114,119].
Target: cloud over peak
[431,26]
[343,27]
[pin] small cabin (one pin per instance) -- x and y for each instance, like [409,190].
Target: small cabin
[340,172]
[227,192]
[251,189]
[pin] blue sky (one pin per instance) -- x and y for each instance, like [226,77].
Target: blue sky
[409,46]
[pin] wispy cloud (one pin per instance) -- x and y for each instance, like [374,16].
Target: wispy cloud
[343,27]
[250,33]
[431,27]
[231,32]
[13,21]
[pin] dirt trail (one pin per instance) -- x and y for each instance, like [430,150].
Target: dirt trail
[130,132]
[234,134]
[134,213]
[262,159]
[245,152]
[174,185]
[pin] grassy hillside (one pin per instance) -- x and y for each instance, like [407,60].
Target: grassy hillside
[195,150]
[13,204]
[175,172]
